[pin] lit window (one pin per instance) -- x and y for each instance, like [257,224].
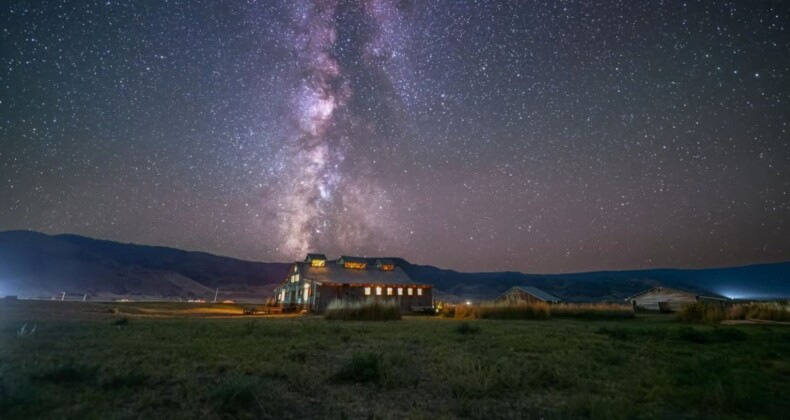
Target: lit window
[389,291]
[419,292]
[400,291]
[378,291]
[367,291]
[411,292]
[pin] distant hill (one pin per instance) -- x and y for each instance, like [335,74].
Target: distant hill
[763,281]
[37,265]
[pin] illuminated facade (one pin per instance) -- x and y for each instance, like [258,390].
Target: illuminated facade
[313,283]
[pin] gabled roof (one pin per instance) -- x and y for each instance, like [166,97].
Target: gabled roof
[384,261]
[346,258]
[311,257]
[335,274]
[697,293]
[534,291]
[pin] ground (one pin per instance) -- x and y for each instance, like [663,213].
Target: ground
[130,360]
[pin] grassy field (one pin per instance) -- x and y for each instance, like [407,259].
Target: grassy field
[91,360]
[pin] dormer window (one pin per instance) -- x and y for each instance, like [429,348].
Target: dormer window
[316,260]
[353,263]
[385,265]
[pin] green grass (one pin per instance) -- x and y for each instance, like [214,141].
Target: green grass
[81,364]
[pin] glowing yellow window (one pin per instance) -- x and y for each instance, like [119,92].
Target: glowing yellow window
[411,292]
[400,291]
[367,291]
[389,291]
[419,292]
[378,291]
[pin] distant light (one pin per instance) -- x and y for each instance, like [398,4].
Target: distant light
[468,302]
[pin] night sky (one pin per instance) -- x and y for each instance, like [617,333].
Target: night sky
[549,136]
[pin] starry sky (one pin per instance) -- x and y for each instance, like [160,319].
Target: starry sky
[539,136]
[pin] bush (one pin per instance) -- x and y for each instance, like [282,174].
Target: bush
[121,322]
[599,311]
[447,311]
[366,310]
[363,367]
[701,313]
[466,328]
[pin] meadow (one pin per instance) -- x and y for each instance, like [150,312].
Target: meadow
[142,360]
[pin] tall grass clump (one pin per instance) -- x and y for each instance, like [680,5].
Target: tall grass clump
[531,310]
[597,311]
[767,311]
[363,367]
[701,313]
[365,310]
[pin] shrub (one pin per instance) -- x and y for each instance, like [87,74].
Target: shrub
[598,311]
[366,310]
[701,313]
[467,328]
[363,367]
[121,322]
[447,311]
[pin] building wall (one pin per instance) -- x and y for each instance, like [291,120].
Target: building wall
[675,298]
[327,293]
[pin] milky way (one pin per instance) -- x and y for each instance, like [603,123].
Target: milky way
[477,135]
[319,207]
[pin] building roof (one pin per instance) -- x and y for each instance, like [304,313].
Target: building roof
[698,293]
[384,261]
[534,291]
[311,257]
[334,273]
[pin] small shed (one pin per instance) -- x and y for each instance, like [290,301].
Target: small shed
[526,294]
[665,299]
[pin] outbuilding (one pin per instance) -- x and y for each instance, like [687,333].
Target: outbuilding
[526,294]
[665,299]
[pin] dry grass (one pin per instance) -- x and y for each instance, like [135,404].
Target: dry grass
[536,310]
[592,311]
[542,311]
[701,313]
[707,313]
[364,310]
[767,311]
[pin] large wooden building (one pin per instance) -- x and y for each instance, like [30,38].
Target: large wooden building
[664,299]
[526,294]
[315,282]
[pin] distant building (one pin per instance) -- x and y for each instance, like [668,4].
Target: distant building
[526,294]
[664,299]
[315,282]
